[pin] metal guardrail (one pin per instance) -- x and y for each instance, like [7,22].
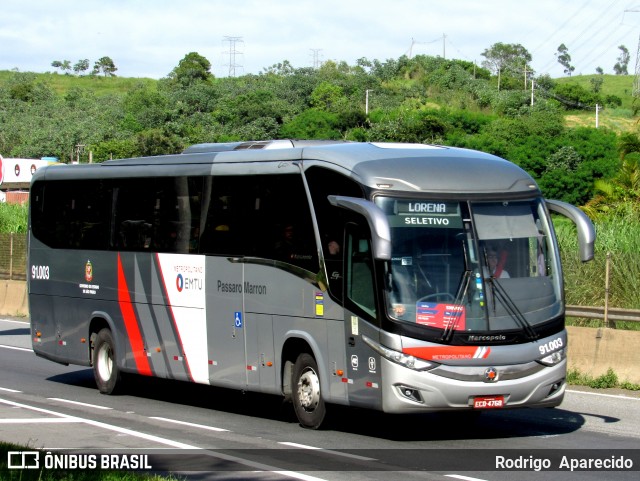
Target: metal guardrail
[612,313]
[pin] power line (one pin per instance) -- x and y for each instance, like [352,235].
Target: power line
[564,24]
[580,38]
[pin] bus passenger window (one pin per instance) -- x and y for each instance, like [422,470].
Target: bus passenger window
[359,282]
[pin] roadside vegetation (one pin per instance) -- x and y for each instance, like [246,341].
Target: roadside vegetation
[609,380]
[421,99]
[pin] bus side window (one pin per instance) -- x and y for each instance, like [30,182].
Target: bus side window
[360,287]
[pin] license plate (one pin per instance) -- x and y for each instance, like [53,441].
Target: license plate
[488,402]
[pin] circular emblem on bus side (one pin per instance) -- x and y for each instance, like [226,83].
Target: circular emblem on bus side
[491,374]
[179,282]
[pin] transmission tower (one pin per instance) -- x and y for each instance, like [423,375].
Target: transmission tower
[233,52]
[316,57]
[636,80]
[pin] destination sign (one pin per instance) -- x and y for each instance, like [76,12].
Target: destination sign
[420,213]
[443,208]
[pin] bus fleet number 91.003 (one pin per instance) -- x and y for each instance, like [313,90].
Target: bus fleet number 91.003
[40,272]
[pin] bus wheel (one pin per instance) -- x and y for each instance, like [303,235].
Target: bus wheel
[105,368]
[307,398]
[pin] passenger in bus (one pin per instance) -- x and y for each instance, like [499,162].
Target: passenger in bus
[496,265]
[285,246]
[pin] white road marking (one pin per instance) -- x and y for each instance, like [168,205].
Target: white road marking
[69,401]
[617,396]
[40,421]
[193,425]
[8,390]
[337,453]
[91,422]
[466,478]
[175,444]
[16,348]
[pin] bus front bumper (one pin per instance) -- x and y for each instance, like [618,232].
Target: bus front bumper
[406,390]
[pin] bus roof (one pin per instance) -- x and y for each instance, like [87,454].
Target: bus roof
[386,166]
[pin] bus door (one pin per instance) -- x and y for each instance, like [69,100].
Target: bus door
[261,370]
[226,322]
[361,311]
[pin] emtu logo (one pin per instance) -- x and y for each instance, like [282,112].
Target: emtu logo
[189,283]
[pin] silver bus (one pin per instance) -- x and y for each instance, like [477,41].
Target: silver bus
[401,278]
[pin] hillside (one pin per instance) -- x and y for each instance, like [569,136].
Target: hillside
[98,85]
[423,99]
[619,85]
[617,119]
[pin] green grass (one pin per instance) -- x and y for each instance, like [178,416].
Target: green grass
[608,380]
[585,282]
[619,85]
[13,218]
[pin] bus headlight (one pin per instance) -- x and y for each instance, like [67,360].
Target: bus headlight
[553,358]
[399,357]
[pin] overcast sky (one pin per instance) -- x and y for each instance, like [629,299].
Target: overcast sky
[147,38]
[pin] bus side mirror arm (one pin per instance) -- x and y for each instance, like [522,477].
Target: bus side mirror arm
[376,218]
[586,231]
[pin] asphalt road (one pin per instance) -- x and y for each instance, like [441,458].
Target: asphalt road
[212,433]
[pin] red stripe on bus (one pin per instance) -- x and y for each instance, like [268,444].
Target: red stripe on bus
[131,324]
[163,283]
[448,353]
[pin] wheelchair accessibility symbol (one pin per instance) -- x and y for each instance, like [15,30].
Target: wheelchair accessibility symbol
[238,319]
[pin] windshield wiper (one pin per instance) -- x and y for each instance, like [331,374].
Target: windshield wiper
[447,333]
[498,292]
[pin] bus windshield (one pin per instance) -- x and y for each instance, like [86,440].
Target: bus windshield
[471,266]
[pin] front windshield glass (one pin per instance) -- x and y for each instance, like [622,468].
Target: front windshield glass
[477,266]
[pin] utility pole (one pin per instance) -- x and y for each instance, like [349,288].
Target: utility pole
[366,102]
[232,54]
[444,52]
[532,82]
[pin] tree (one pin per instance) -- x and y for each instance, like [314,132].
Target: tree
[599,71]
[81,66]
[312,124]
[620,68]
[64,65]
[106,65]
[564,59]
[193,68]
[327,96]
[596,83]
[507,60]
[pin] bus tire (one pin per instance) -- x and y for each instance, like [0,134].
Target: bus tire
[105,367]
[307,396]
